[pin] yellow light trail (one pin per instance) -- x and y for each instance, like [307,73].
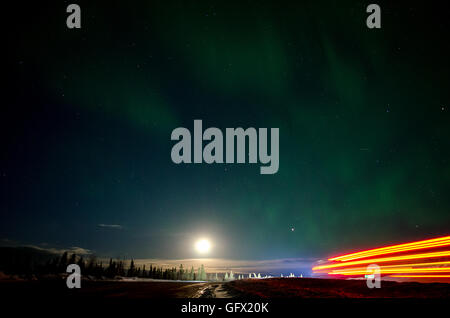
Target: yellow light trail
[436,242]
[421,276]
[384,259]
[397,250]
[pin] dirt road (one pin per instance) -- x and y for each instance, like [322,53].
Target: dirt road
[204,290]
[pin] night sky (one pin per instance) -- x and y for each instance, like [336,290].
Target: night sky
[86,119]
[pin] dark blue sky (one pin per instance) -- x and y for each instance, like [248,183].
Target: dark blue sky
[363,118]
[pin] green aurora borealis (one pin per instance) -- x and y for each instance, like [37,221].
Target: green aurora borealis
[363,117]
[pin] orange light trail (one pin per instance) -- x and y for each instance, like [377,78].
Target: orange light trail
[401,265]
[385,259]
[441,241]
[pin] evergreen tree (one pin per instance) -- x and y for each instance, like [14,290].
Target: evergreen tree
[202,273]
[131,270]
[110,271]
[63,262]
[81,264]
[159,273]
[191,274]
[150,271]
[181,273]
[120,269]
[91,266]
[73,259]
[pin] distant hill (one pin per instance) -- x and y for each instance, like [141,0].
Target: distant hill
[19,259]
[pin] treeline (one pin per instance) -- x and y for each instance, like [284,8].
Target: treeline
[97,269]
[116,268]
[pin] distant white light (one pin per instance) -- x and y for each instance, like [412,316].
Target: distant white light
[203,246]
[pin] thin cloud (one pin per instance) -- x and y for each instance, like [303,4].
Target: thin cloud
[111,226]
[74,249]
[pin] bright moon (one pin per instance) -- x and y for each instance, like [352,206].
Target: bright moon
[203,246]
